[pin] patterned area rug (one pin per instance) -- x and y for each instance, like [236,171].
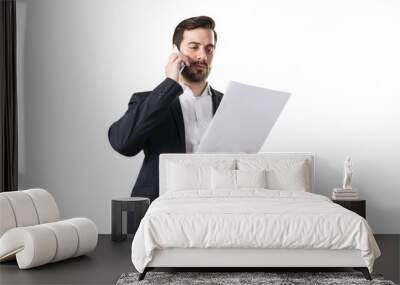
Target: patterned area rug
[269,278]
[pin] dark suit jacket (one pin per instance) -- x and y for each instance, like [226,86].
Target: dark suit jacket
[153,123]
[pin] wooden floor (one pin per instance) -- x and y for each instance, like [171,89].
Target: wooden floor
[111,259]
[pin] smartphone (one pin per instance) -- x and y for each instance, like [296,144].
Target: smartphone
[183,65]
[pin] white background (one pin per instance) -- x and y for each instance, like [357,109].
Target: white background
[79,61]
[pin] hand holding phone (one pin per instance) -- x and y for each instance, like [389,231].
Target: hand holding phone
[177,62]
[183,65]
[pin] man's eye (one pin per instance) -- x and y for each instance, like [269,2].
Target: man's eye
[193,47]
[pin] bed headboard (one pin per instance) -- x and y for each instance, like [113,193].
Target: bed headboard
[166,157]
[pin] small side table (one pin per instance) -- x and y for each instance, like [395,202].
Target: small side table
[137,205]
[357,206]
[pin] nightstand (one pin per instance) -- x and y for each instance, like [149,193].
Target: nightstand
[137,205]
[357,206]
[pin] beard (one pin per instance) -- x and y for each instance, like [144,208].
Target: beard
[195,74]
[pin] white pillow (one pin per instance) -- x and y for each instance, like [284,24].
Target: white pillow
[282,174]
[193,174]
[223,179]
[287,179]
[227,179]
[251,178]
[187,177]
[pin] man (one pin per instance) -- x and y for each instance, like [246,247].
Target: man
[173,117]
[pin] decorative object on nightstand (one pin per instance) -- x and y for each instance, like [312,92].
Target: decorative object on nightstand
[357,206]
[348,173]
[137,205]
[346,192]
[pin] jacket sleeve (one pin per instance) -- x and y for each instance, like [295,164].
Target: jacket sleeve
[128,135]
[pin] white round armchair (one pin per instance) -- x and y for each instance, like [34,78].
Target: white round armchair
[31,230]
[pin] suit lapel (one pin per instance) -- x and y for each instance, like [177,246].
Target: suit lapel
[215,100]
[176,110]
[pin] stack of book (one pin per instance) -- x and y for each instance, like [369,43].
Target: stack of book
[344,194]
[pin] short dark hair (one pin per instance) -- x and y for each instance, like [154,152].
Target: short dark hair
[191,24]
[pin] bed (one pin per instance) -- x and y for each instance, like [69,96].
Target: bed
[248,211]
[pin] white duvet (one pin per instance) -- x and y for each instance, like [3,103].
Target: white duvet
[250,219]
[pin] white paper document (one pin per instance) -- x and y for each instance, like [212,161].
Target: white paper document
[243,119]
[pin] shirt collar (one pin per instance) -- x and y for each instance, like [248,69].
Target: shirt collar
[187,90]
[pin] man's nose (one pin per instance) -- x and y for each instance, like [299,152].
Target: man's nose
[201,54]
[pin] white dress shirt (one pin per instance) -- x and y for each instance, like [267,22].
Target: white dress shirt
[197,115]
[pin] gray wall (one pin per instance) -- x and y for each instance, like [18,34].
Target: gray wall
[79,61]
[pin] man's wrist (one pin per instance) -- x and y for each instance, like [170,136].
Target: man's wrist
[174,82]
[174,79]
